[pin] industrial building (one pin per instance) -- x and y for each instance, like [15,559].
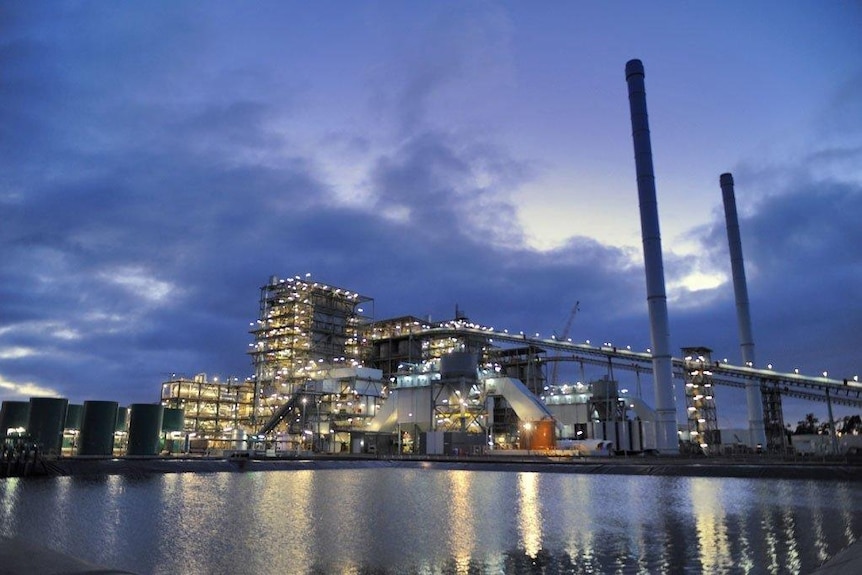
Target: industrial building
[328,378]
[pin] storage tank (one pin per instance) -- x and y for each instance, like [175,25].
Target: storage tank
[13,415]
[98,421]
[539,435]
[174,419]
[73,416]
[145,428]
[238,439]
[458,364]
[45,423]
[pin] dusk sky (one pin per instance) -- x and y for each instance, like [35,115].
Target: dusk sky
[160,160]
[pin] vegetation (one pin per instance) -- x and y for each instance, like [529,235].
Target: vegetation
[810,425]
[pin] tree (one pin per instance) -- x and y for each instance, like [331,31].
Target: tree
[851,425]
[807,425]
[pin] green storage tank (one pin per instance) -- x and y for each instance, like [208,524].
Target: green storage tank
[73,417]
[14,415]
[45,423]
[145,428]
[174,419]
[98,421]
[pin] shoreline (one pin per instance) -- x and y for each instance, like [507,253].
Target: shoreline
[759,468]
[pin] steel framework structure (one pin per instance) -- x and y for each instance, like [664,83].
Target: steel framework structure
[700,398]
[303,327]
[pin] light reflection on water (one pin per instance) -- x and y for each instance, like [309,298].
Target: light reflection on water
[402,520]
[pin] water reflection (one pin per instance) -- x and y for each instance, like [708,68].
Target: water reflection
[462,510]
[401,520]
[8,504]
[529,513]
[711,526]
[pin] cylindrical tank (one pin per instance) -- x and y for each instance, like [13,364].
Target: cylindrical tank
[238,439]
[98,420]
[539,435]
[14,415]
[174,419]
[122,423]
[458,364]
[45,423]
[73,416]
[145,428]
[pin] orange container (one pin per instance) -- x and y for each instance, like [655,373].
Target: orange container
[539,435]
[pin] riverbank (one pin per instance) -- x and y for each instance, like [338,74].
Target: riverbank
[756,468]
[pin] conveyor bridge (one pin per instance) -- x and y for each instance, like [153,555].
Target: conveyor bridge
[840,392]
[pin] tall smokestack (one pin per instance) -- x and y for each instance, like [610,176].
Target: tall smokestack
[757,435]
[667,440]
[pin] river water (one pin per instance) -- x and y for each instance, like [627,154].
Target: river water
[427,521]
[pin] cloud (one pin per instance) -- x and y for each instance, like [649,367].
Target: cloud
[16,352]
[12,391]
[140,284]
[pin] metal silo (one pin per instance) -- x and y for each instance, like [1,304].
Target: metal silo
[14,415]
[173,420]
[98,421]
[145,428]
[45,423]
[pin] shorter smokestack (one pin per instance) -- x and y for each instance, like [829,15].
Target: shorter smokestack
[757,434]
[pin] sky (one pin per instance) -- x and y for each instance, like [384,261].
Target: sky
[159,161]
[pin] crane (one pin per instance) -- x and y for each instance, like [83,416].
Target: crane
[563,336]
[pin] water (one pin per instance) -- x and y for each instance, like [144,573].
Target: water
[423,521]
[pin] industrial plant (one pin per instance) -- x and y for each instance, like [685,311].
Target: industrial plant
[329,378]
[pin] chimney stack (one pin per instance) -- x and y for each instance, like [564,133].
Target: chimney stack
[667,440]
[757,434]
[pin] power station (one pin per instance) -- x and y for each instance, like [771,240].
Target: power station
[330,378]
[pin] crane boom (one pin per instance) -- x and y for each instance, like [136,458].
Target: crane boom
[565,334]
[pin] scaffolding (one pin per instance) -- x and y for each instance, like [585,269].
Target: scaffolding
[304,329]
[773,417]
[213,409]
[700,399]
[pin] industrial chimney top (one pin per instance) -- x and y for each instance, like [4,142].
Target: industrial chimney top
[726,179]
[634,67]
